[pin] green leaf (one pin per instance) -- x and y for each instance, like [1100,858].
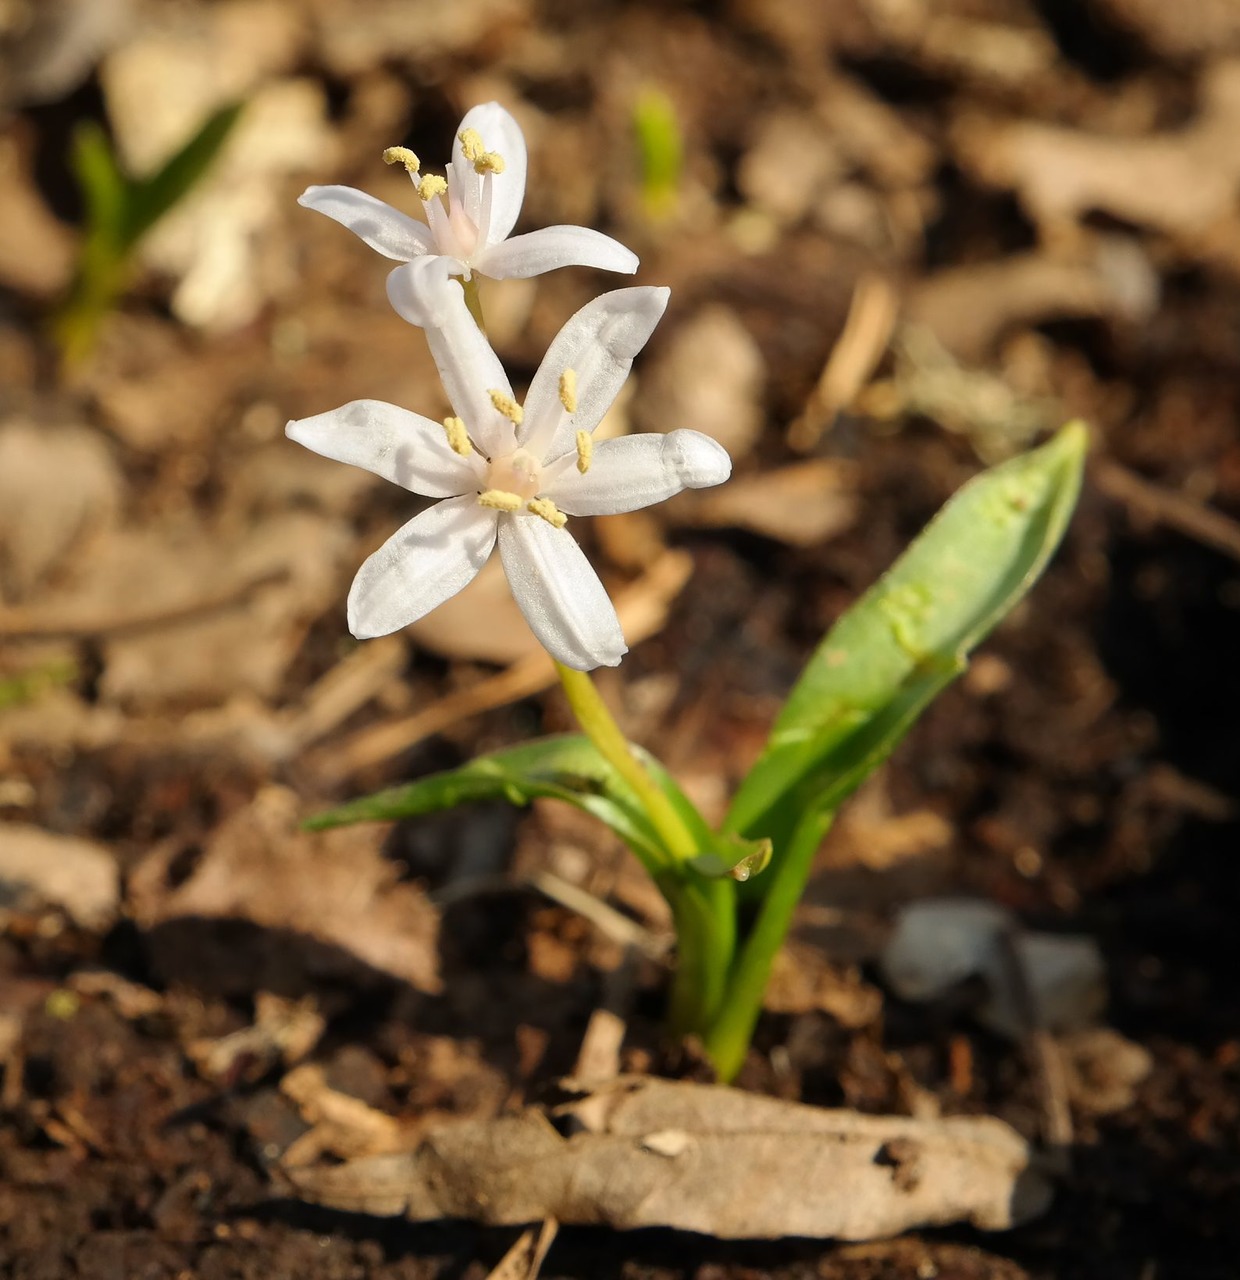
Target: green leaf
[909,636]
[104,186]
[151,197]
[660,150]
[567,768]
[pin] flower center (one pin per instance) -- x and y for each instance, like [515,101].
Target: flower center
[519,472]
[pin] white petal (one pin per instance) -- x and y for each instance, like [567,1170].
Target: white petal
[554,247]
[420,566]
[400,446]
[500,133]
[560,594]
[636,471]
[387,230]
[599,343]
[424,294]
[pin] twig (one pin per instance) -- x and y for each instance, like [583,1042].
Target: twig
[867,331]
[1041,1051]
[29,624]
[642,607]
[1168,507]
[524,1260]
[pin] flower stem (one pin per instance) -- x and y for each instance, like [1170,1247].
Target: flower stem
[601,728]
[473,300]
[727,1039]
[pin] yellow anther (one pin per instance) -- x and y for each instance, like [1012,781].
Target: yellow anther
[458,437]
[402,155]
[507,406]
[500,500]
[549,511]
[431,186]
[472,149]
[585,451]
[568,390]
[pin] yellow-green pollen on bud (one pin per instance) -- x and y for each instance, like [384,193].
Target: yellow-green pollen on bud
[568,390]
[458,437]
[506,405]
[547,509]
[431,186]
[472,149]
[500,500]
[402,155]
[585,451]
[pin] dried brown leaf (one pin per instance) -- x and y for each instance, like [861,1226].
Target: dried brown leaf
[701,1158]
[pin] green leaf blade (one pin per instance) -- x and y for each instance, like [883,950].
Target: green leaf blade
[153,196]
[910,634]
[567,768]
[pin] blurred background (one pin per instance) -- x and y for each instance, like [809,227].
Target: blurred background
[905,239]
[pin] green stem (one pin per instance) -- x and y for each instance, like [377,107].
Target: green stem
[600,727]
[728,1038]
[704,913]
[473,300]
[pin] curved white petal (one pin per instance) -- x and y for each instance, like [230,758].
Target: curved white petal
[599,344]
[400,446]
[502,134]
[420,566]
[636,471]
[560,594]
[553,247]
[387,230]
[424,294]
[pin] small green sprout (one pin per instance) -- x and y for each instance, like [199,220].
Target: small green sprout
[120,210]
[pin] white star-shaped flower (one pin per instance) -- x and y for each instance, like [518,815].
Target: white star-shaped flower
[509,474]
[470,212]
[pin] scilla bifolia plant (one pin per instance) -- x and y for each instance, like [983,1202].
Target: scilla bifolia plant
[512,476]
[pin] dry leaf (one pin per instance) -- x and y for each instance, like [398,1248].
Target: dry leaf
[1182,183]
[709,378]
[57,484]
[40,868]
[801,505]
[701,1158]
[331,888]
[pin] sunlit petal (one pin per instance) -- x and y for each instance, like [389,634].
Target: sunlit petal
[420,566]
[554,247]
[559,593]
[502,134]
[424,294]
[403,447]
[636,471]
[384,229]
[599,344]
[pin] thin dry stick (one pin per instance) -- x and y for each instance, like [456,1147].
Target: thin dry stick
[867,330]
[1170,508]
[30,624]
[1041,1052]
[642,607]
[524,1260]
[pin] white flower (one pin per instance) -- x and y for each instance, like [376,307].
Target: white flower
[509,475]
[470,213]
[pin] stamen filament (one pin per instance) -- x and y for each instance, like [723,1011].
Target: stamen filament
[585,451]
